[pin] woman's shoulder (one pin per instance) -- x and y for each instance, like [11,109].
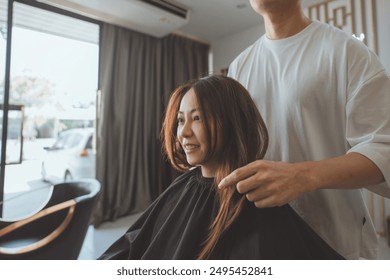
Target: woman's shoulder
[192,177]
[180,181]
[186,175]
[185,188]
[181,178]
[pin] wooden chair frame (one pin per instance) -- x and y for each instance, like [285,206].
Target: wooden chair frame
[71,204]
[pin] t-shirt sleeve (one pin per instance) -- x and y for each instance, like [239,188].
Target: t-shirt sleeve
[368,124]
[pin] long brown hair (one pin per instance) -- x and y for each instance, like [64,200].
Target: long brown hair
[231,116]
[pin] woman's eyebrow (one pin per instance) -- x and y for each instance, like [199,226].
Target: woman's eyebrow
[193,110]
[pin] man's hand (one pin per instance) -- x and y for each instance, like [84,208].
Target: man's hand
[268,183]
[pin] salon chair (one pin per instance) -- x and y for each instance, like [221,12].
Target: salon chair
[58,230]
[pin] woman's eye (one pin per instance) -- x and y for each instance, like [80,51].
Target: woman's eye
[196,118]
[180,120]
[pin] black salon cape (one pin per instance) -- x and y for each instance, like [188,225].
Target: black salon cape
[176,224]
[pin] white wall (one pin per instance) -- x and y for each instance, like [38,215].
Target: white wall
[383,13]
[224,50]
[383,40]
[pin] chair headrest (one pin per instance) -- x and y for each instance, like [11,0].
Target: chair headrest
[79,190]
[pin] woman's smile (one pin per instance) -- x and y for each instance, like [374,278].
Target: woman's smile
[189,148]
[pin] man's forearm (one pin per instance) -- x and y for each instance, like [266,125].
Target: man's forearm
[349,171]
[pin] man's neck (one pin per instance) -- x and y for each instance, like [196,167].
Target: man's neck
[285,24]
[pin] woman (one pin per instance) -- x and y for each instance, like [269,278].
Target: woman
[212,127]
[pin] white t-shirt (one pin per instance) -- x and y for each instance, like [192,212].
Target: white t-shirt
[322,94]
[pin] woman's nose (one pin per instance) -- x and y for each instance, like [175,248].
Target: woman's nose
[186,130]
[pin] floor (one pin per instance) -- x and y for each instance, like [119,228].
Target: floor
[98,240]
[384,249]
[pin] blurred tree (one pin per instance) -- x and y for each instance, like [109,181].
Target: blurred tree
[38,97]
[31,91]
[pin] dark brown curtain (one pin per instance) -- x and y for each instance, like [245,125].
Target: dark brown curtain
[137,74]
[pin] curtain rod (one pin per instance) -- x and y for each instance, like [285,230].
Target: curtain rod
[191,37]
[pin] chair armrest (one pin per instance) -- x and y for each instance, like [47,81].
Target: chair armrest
[71,204]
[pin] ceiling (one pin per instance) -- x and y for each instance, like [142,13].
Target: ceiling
[213,19]
[208,20]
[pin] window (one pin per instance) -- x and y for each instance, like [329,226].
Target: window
[53,76]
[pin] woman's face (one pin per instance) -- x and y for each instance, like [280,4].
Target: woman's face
[192,135]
